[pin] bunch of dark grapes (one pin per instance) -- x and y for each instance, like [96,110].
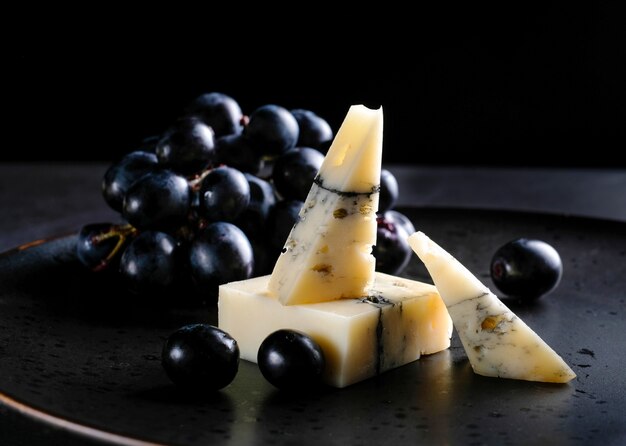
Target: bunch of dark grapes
[213,198]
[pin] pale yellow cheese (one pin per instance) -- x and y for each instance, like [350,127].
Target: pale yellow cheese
[399,321]
[497,342]
[328,254]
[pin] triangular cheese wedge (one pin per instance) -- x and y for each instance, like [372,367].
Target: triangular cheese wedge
[496,341]
[328,254]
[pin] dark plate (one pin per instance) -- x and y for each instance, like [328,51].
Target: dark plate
[77,353]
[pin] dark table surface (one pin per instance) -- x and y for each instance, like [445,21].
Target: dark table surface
[43,200]
[40,200]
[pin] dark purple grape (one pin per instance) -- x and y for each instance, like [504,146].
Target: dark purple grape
[220,253]
[272,130]
[224,194]
[219,111]
[187,147]
[314,131]
[253,221]
[389,191]
[526,268]
[282,218]
[149,263]
[101,244]
[200,358]
[392,250]
[291,360]
[236,151]
[158,200]
[399,219]
[295,171]
[121,175]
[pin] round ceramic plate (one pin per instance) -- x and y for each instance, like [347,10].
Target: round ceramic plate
[81,356]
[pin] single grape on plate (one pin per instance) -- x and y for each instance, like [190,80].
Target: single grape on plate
[526,268]
[200,357]
[291,360]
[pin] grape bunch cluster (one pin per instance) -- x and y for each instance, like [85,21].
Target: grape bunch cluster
[213,198]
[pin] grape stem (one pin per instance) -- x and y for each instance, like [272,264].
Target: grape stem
[196,180]
[122,232]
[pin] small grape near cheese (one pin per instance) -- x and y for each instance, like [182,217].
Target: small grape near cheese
[325,284]
[497,342]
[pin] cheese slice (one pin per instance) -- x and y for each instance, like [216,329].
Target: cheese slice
[328,254]
[397,322]
[496,341]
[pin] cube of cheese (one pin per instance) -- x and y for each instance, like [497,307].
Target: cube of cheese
[398,322]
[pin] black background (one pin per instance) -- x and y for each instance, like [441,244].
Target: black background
[516,85]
